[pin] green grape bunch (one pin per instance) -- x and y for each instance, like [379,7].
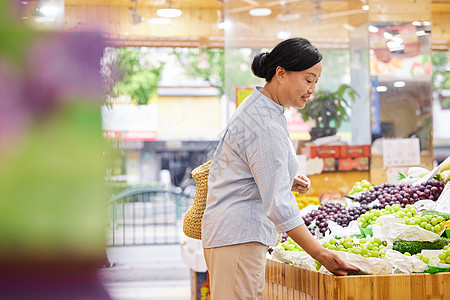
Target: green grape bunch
[444,257]
[363,247]
[360,186]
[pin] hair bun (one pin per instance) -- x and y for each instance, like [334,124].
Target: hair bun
[259,67]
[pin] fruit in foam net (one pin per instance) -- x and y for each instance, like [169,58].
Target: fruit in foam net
[433,223]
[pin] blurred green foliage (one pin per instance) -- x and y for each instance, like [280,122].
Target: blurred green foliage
[137,78]
[52,185]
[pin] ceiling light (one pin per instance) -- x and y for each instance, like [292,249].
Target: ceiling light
[373,29]
[426,23]
[49,10]
[365,7]
[282,35]
[381,88]
[395,46]
[168,12]
[260,12]
[421,33]
[399,84]
[417,23]
[159,21]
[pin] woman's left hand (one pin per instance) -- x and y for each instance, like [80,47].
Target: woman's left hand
[301,184]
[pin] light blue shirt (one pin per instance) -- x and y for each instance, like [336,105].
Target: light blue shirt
[250,178]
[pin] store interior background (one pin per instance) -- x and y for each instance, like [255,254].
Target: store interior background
[161,141]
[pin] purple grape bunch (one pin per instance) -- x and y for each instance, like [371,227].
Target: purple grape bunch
[335,212]
[390,194]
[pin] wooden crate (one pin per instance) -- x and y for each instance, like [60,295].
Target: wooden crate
[288,282]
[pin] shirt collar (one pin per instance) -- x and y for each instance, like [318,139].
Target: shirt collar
[269,102]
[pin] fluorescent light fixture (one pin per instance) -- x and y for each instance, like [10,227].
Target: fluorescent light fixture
[159,21]
[24,2]
[282,35]
[260,12]
[399,84]
[168,12]
[49,10]
[417,23]
[373,29]
[421,33]
[365,7]
[381,88]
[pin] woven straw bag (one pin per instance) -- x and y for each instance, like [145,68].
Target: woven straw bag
[192,222]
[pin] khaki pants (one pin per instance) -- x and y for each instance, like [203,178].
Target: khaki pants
[237,271]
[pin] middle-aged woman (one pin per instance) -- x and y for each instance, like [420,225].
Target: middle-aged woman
[252,174]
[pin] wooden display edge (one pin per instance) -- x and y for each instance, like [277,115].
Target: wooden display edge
[285,281]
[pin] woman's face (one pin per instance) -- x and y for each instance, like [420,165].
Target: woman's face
[298,86]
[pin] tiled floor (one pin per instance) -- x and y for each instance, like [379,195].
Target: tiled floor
[147,272]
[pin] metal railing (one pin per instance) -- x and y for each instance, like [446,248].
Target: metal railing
[146,216]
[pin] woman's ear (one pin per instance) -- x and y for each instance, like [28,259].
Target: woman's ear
[280,74]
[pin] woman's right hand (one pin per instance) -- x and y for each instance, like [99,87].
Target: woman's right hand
[333,263]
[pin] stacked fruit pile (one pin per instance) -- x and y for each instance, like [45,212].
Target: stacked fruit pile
[390,194]
[303,200]
[335,212]
[364,247]
[360,186]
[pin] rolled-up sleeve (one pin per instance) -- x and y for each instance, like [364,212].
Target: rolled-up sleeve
[268,158]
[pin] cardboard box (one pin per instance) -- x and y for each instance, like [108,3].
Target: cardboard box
[355,151]
[329,164]
[357,163]
[325,151]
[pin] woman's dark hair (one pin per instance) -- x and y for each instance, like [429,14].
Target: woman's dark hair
[295,54]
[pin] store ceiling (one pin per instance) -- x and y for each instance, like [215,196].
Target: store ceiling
[237,5]
[197,27]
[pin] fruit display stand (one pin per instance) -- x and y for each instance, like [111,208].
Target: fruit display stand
[290,282]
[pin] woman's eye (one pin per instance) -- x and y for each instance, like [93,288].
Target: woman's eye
[308,81]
